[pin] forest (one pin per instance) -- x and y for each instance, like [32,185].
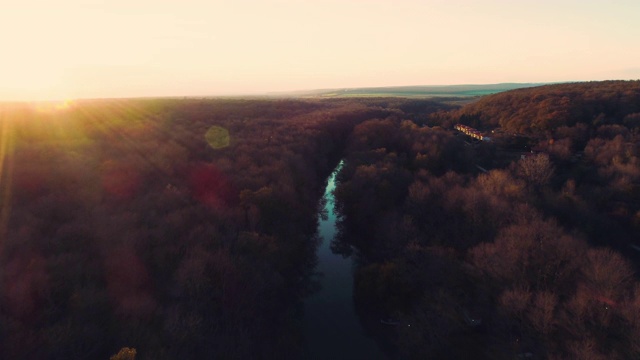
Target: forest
[519,247]
[180,228]
[184,228]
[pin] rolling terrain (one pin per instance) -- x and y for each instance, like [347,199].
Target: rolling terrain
[187,228]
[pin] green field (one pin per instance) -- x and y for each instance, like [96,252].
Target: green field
[413,91]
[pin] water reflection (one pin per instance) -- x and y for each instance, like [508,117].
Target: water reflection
[332,328]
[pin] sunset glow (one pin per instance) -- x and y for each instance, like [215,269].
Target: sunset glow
[52,106]
[93,49]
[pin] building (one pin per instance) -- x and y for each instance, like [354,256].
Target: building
[469,131]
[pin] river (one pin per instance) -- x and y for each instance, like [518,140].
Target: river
[332,328]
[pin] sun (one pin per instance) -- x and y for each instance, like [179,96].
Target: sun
[65,104]
[53,106]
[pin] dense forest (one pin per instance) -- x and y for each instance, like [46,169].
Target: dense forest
[519,247]
[180,228]
[185,228]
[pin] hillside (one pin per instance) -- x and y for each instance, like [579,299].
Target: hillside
[523,246]
[546,108]
[591,133]
[187,228]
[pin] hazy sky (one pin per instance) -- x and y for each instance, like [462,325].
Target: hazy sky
[55,49]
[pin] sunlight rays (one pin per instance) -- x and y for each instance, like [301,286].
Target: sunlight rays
[53,106]
[6,175]
[139,136]
[123,124]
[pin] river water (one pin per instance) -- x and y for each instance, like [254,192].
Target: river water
[332,328]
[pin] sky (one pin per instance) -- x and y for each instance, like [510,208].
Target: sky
[63,49]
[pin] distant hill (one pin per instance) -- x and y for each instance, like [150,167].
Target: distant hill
[411,91]
[546,108]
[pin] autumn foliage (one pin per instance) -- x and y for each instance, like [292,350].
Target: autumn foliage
[531,257]
[131,223]
[184,228]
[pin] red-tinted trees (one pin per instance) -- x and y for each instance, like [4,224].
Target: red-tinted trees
[180,248]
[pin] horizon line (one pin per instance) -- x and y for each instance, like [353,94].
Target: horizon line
[299,92]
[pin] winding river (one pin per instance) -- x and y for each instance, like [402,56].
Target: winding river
[332,328]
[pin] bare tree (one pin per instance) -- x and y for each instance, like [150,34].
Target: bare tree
[537,170]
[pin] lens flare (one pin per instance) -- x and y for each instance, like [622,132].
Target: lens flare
[217,137]
[210,186]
